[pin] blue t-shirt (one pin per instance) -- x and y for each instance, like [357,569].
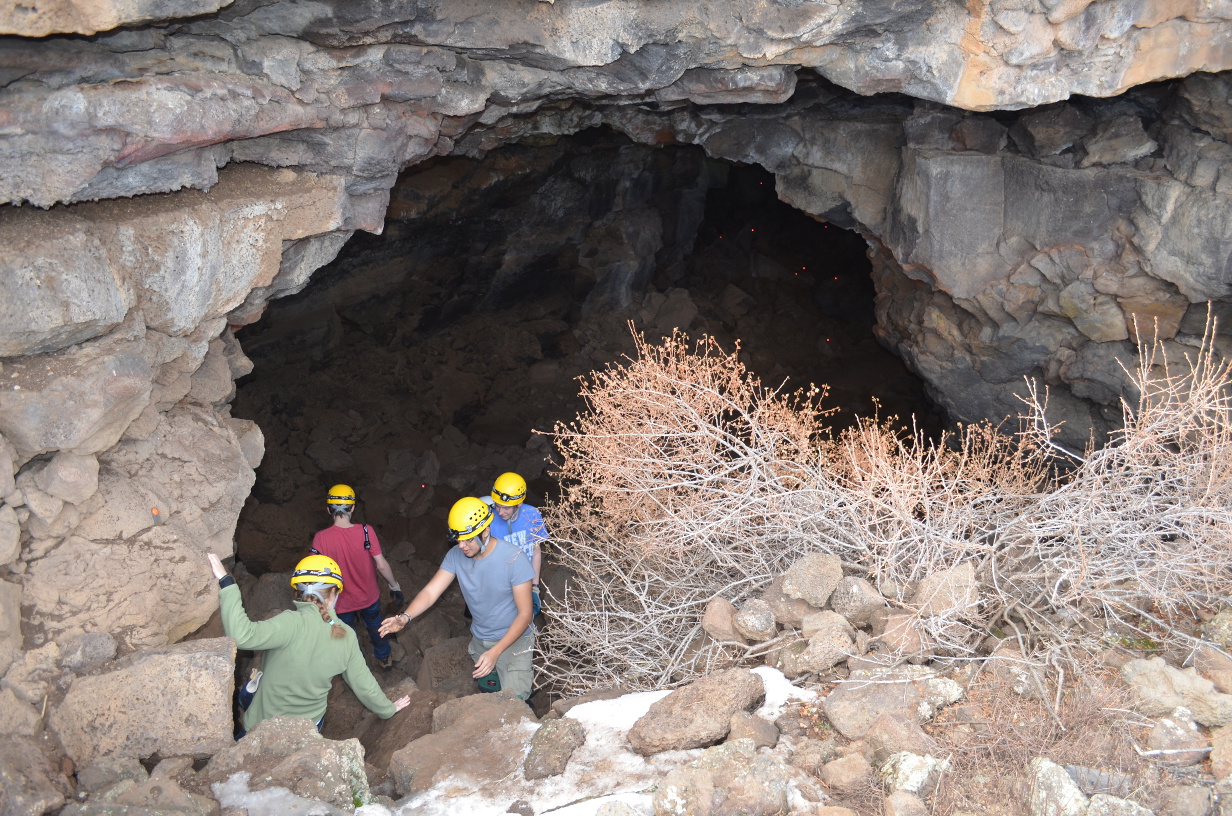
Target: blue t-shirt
[487,585]
[524,530]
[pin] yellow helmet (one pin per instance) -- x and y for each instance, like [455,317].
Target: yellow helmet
[468,518]
[317,569]
[509,489]
[341,494]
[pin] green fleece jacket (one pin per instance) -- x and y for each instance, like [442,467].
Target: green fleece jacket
[301,661]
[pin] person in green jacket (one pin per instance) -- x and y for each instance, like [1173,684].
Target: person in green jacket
[305,649]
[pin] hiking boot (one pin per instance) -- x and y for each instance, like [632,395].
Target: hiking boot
[387,664]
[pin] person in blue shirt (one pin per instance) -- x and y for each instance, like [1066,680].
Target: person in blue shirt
[495,578]
[518,523]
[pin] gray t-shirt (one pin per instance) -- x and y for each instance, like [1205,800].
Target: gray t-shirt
[487,585]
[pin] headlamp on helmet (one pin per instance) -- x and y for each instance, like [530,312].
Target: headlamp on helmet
[317,569]
[340,494]
[509,490]
[468,518]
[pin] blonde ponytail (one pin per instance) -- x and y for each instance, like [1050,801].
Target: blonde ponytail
[313,592]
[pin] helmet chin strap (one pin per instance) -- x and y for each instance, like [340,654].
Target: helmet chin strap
[484,538]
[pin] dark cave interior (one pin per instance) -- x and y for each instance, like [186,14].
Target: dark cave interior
[423,362]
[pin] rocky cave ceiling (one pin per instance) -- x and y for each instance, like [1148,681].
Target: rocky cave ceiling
[1030,176]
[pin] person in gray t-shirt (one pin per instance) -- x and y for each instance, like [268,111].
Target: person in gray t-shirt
[495,578]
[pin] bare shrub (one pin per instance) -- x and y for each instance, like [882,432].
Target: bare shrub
[992,738]
[687,479]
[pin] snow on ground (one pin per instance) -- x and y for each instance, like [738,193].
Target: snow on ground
[234,793]
[779,692]
[601,771]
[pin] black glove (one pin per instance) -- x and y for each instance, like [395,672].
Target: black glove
[398,598]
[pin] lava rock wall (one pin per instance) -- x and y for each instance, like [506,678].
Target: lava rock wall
[259,135]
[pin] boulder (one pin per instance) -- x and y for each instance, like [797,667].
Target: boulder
[732,779]
[1221,753]
[952,591]
[29,786]
[447,668]
[384,737]
[856,600]
[749,726]
[900,634]
[981,134]
[69,476]
[163,792]
[430,629]
[698,714]
[8,467]
[173,700]
[913,773]
[287,752]
[903,803]
[1050,131]
[104,772]
[1216,666]
[1104,805]
[1185,800]
[755,621]
[719,621]
[788,611]
[32,673]
[85,652]
[891,733]
[828,645]
[811,754]
[847,774]
[10,535]
[10,623]
[1117,140]
[1179,735]
[17,717]
[813,578]
[915,694]
[552,746]
[482,737]
[1219,629]
[1052,791]
[97,390]
[1159,689]
[122,549]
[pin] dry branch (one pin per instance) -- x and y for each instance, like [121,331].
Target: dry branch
[687,479]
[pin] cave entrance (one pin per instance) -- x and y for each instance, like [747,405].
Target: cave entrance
[418,364]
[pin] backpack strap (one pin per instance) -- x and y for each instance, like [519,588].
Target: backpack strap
[367,543]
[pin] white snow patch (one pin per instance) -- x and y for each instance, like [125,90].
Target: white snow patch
[603,770]
[234,793]
[620,713]
[779,692]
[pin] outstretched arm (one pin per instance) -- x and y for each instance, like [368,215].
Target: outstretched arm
[382,566]
[248,634]
[487,661]
[420,604]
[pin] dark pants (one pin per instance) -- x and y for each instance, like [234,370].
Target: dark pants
[372,620]
[245,700]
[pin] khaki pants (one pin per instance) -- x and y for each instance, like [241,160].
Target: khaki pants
[514,665]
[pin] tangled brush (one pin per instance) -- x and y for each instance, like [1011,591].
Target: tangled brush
[687,479]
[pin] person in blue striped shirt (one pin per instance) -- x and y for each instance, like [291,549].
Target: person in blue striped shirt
[518,523]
